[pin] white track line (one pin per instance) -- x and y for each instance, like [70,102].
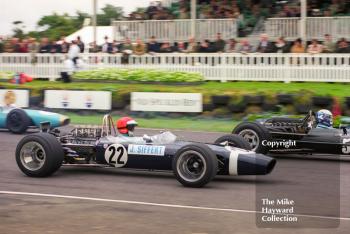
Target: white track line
[160,204]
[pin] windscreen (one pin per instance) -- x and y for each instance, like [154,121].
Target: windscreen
[163,138]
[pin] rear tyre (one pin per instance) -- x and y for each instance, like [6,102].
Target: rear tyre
[234,141]
[17,121]
[195,165]
[254,134]
[39,155]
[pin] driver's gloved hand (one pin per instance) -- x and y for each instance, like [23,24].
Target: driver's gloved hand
[147,138]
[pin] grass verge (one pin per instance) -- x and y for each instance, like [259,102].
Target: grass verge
[185,123]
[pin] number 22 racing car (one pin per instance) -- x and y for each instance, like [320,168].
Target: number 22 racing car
[292,135]
[193,164]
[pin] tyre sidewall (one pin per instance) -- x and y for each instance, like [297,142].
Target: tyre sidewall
[53,154]
[261,132]
[25,121]
[210,160]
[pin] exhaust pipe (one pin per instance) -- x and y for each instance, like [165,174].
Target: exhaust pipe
[250,163]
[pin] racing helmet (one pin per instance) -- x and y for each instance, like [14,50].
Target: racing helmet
[325,118]
[126,126]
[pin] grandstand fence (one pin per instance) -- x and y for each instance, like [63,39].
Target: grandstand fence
[214,66]
[175,30]
[316,27]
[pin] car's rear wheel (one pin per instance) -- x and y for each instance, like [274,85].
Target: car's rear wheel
[195,165]
[254,135]
[234,141]
[39,155]
[17,121]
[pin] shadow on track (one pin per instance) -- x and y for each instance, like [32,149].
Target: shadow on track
[72,171]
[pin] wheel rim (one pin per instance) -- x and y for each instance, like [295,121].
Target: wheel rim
[191,166]
[252,137]
[15,120]
[32,156]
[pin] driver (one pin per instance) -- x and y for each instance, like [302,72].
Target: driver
[324,119]
[126,126]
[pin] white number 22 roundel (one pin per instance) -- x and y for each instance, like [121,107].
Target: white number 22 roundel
[116,155]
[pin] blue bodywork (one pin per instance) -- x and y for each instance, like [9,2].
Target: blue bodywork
[37,116]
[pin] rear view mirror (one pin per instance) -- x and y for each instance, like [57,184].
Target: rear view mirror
[45,126]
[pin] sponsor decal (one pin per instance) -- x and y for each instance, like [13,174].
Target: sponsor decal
[146,150]
[279,144]
[166,102]
[65,99]
[116,155]
[88,102]
[72,99]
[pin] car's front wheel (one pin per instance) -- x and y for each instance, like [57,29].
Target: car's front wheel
[39,155]
[195,165]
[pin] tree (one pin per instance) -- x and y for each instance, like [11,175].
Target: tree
[56,26]
[109,12]
[18,30]
[79,19]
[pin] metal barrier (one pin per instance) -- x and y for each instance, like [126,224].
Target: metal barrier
[316,27]
[175,30]
[218,66]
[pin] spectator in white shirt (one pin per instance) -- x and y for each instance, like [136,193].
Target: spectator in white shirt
[73,52]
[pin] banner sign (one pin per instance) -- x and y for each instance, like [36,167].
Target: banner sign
[69,99]
[14,97]
[166,102]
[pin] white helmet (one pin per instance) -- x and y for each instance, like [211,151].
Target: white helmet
[324,117]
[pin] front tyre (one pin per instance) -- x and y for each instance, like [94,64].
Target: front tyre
[195,165]
[39,155]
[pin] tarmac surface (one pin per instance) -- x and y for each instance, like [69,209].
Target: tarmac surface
[105,200]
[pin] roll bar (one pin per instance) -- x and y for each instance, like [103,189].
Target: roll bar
[108,128]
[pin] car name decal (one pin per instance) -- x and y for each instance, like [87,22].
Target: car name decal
[146,150]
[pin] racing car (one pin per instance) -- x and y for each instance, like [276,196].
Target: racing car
[18,120]
[193,164]
[293,135]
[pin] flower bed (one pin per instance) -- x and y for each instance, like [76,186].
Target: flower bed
[143,75]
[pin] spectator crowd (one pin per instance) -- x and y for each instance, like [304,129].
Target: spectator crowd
[247,12]
[217,9]
[139,47]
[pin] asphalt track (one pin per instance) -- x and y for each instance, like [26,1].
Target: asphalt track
[97,200]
